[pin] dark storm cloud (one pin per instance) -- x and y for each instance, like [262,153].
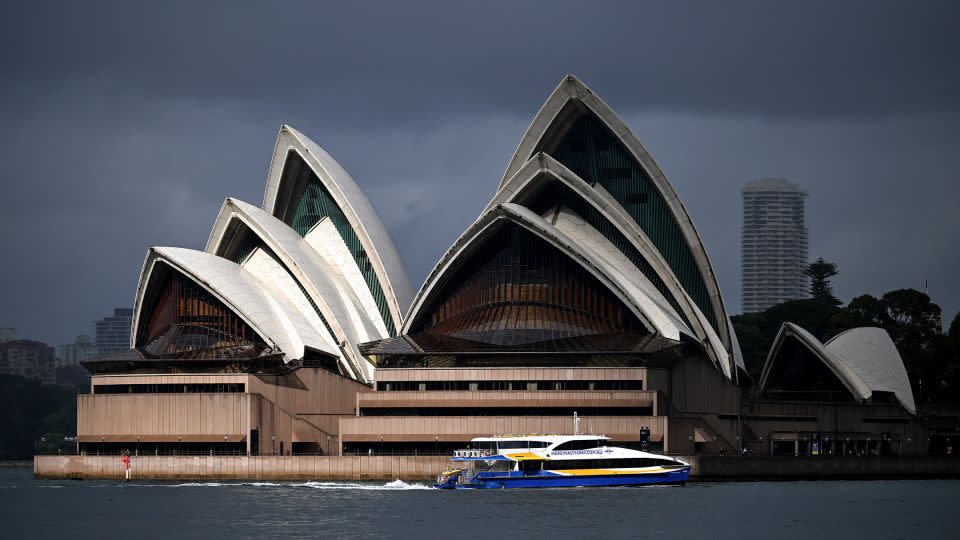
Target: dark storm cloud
[126,126]
[393,59]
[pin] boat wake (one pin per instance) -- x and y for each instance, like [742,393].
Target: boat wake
[395,485]
[389,486]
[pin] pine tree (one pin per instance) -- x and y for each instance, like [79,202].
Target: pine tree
[820,272]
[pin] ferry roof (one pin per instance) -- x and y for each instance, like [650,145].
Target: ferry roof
[542,437]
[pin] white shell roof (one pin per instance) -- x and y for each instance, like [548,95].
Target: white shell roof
[542,167]
[276,321]
[864,359]
[361,214]
[329,291]
[572,89]
[871,354]
[593,244]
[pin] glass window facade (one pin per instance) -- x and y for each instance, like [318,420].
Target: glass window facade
[202,388]
[800,374]
[591,151]
[408,386]
[184,318]
[556,193]
[309,203]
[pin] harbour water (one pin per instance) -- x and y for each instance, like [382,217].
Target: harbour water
[829,509]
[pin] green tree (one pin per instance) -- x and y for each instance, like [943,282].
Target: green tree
[909,316]
[30,410]
[53,443]
[912,321]
[754,343]
[820,272]
[942,378]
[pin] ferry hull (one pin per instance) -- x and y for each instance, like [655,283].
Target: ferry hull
[515,480]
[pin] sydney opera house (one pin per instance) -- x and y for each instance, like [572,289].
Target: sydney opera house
[582,287]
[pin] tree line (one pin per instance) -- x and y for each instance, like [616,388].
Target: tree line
[35,418]
[931,356]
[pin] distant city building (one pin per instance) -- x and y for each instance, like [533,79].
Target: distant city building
[113,333]
[30,359]
[82,348]
[774,244]
[8,334]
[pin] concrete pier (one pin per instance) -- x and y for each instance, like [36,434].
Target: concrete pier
[817,468]
[425,468]
[236,468]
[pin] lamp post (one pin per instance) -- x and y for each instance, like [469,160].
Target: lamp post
[102,441]
[381,445]
[327,450]
[436,444]
[273,444]
[224,444]
[179,449]
[136,451]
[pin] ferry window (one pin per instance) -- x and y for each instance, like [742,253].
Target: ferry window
[573,464]
[511,445]
[580,445]
[604,463]
[539,444]
[483,446]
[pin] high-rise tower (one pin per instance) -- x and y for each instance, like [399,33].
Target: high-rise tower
[773,242]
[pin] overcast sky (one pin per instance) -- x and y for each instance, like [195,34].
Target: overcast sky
[126,126]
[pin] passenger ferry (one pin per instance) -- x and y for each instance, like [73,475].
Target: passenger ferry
[536,461]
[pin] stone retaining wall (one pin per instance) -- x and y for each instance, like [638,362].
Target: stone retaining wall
[836,467]
[425,468]
[349,468]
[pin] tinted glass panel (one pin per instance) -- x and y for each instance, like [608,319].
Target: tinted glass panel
[186,319]
[596,155]
[556,193]
[311,202]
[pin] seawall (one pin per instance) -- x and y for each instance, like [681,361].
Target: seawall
[824,467]
[348,468]
[425,468]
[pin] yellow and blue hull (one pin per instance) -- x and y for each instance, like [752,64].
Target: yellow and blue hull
[573,478]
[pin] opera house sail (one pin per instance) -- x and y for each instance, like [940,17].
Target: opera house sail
[582,287]
[262,326]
